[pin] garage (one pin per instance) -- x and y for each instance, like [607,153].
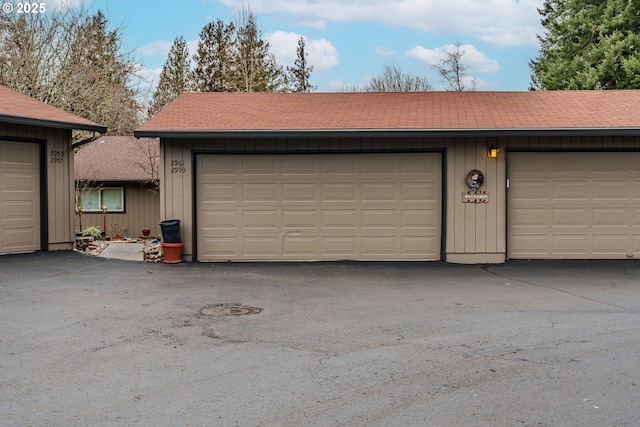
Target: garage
[384,206]
[574,205]
[19,197]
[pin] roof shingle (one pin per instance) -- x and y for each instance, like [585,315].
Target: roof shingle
[429,111]
[117,158]
[18,108]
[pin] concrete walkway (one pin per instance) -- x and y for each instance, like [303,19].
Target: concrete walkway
[125,251]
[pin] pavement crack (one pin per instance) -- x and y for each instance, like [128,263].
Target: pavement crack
[553,288]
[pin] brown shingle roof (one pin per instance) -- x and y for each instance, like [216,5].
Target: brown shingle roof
[18,108]
[117,158]
[432,111]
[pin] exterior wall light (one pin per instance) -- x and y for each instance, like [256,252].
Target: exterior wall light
[492,148]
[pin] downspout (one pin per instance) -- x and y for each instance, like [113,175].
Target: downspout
[86,141]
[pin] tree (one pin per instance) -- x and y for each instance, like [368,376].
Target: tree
[588,44]
[214,58]
[94,79]
[73,61]
[453,72]
[393,79]
[175,76]
[32,49]
[299,75]
[256,70]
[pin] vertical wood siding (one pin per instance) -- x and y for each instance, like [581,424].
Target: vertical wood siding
[473,232]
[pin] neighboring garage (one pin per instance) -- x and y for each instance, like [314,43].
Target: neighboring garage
[19,196]
[580,205]
[37,200]
[465,177]
[319,206]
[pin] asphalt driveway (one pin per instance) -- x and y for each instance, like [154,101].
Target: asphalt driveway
[102,342]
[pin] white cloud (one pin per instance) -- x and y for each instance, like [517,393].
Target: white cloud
[383,51]
[472,59]
[498,22]
[160,47]
[61,5]
[322,55]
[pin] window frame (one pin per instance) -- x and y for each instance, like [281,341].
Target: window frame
[100,200]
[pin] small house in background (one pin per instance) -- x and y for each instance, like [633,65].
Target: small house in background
[117,186]
[36,174]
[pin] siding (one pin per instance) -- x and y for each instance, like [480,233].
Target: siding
[59,178]
[472,233]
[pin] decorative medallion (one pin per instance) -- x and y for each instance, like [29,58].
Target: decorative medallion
[475,180]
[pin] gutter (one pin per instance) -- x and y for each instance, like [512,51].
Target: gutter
[329,133]
[52,123]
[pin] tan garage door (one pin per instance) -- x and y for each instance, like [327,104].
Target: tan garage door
[574,205]
[319,207]
[19,197]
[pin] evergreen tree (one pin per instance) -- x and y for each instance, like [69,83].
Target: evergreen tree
[175,77]
[94,79]
[256,70]
[588,44]
[299,75]
[70,59]
[214,59]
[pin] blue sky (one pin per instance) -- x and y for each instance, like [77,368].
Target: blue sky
[348,41]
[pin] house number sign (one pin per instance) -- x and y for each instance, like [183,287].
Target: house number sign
[56,156]
[177,166]
[474,194]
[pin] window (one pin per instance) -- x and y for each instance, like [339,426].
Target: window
[93,200]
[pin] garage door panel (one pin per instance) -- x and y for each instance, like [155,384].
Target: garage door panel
[261,247]
[350,206]
[611,218]
[267,192]
[379,218]
[216,166]
[379,165]
[299,165]
[220,193]
[266,165]
[299,193]
[570,218]
[608,190]
[221,220]
[528,218]
[418,246]
[19,210]
[589,211]
[19,197]
[19,182]
[527,190]
[261,220]
[339,218]
[339,192]
[376,192]
[574,191]
[299,219]
[338,165]
[420,218]
[417,192]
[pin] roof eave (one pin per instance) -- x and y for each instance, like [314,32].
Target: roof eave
[321,133]
[51,123]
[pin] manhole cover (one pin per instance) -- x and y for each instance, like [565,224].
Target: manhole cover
[229,310]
